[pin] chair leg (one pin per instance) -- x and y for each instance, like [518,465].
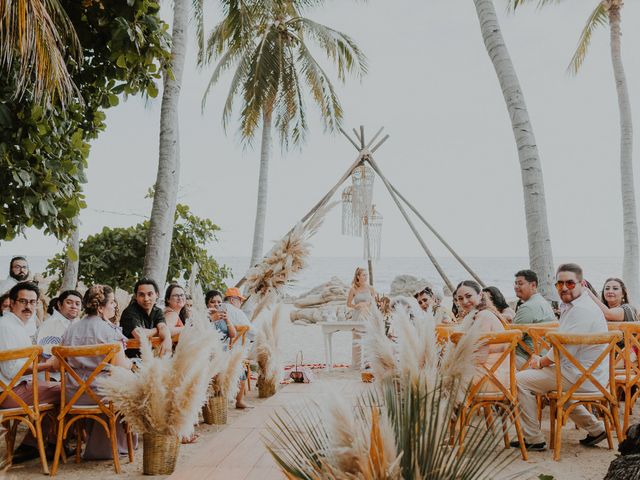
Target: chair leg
[628,405]
[552,424]
[558,431]
[114,443]
[607,428]
[9,441]
[129,442]
[79,440]
[615,414]
[56,456]
[40,440]
[505,429]
[516,422]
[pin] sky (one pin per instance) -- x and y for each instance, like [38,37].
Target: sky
[451,149]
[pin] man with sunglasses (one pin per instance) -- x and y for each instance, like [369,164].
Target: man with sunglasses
[18,272]
[579,314]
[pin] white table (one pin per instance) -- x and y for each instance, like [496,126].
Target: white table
[328,329]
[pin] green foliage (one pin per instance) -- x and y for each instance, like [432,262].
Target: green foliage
[43,153]
[115,256]
[269,45]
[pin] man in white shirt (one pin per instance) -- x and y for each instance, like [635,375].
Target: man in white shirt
[579,314]
[18,272]
[14,334]
[65,311]
[233,300]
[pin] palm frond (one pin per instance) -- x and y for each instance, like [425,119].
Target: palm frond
[39,36]
[599,17]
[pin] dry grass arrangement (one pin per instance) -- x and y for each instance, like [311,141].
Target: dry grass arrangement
[288,256]
[401,429]
[199,311]
[225,382]
[268,355]
[165,394]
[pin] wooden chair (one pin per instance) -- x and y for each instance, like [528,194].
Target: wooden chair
[536,332]
[241,334]
[562,403]
[134,343]
[443,332]
[30,415]
[71,413]
[488,391]
[627,367]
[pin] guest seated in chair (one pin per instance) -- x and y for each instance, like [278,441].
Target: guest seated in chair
[15,333]
[579,315]
[143,318]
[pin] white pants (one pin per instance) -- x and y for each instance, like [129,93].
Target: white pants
[531,382]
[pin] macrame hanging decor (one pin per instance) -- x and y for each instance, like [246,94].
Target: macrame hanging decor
[362,180]
[372,234]
[348,224]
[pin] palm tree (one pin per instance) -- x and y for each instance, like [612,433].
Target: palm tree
[609,11]
[159,236]
[540,255]
[38,36]
[268,42]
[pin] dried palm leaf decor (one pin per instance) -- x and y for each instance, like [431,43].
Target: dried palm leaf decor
[401,427]
[266,281]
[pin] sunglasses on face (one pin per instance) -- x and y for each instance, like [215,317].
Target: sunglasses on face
[570,284]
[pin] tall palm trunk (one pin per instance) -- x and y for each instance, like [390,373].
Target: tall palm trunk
[263,185]
[156,259]
[630,265]
[72,262]
[540,255]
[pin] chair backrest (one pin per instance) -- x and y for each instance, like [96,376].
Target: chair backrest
[536,331]
[30,356]
[134,343]
[443,332]
[241,332]
[559,342]
[489,379]
[627,357]
[108,352]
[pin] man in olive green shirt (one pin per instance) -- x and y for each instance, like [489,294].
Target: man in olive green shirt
[534,309]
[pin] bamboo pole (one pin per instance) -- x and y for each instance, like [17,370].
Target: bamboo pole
[439,237]
[350,139]
[370,265]
[379,144]
[321,203]
[374,138]
[395,198]
[362,136]
[358,137]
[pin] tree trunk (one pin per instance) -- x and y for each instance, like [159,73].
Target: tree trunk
[72,262]
[156,260]
[263,186]
[540,255]
[630,261]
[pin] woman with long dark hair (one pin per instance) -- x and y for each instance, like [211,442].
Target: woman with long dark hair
[495,300]
[614,301]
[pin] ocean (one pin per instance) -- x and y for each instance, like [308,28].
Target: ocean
[497,271]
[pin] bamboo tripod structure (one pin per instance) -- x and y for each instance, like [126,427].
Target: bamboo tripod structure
[365,155]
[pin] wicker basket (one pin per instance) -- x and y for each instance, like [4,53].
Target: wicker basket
[214,411]
[265,390]
[159,453]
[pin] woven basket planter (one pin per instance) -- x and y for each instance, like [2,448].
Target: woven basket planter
[265,389]
[159,453]
[214,411]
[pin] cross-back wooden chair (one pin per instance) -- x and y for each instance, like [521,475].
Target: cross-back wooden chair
[536,332]
[489,391]
[30,415]
[627,367]
[71,412]
[134,343]
[604,399]
[443,332]
[241,334]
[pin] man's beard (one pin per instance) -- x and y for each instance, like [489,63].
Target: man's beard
[21,277]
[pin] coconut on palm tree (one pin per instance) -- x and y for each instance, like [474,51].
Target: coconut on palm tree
[540,255]
[609,11]
[269,44]
[39,37]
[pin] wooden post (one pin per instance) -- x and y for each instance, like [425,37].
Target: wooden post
[373,139]
[350,139]
[439,237]
[370,265]
[435,263]
[362,136]
[379,144]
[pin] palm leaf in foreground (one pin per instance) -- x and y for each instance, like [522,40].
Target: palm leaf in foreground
[401,430]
